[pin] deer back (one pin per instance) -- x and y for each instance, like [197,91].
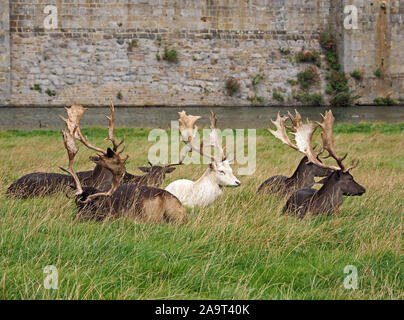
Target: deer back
[328,198]
[146,204]
[39,184]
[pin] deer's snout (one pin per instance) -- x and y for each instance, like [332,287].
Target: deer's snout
[362,191]
[237,183]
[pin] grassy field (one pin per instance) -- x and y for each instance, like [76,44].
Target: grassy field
[241,248]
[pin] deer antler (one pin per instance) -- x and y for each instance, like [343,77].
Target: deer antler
[73,124]
[176,164]
[74,115]
[328,142]
[188,131]
[214,136]
[108,159]
[280,133]
[303,133]
[111,128]
[296,120]
[71,148]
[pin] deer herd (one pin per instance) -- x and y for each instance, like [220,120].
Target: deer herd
[110,192]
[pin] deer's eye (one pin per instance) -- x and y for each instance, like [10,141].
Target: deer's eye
[221,172]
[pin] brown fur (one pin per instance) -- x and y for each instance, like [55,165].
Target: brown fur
[142,203]
[326,200]
[41,184]
[154,176]
[302,178]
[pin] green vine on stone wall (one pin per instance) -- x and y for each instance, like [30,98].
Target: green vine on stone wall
[337,86]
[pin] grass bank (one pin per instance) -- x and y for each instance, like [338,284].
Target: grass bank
[241,248]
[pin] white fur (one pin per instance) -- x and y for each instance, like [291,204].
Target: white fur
[207,188]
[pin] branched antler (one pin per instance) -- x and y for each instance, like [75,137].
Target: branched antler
[71,148]
[214,136]
[303,133]
[111,129]
[280,133]
[328,142]
[188,131]
[108,159]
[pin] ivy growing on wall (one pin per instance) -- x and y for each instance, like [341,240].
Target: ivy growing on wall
[337,87]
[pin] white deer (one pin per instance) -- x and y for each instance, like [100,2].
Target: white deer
[207,188]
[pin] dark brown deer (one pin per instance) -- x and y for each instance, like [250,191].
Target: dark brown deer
[44,183]
[340,183]
[304,175]
[154,176]
[41,184]
[302,178]
[144,203]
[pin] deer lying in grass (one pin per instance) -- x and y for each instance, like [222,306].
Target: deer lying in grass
[207,188]
[330,196]
[302,178]
[154,176]
[145,203]
[43,183]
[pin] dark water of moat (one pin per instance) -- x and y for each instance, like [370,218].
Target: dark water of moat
[29,118]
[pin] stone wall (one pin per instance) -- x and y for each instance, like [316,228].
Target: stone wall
[4,53]
[377,44]
[89,58]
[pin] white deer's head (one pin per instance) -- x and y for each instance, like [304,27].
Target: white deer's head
[219,168]
[224,174]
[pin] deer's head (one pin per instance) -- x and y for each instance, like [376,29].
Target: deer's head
[157,174]
[347,184]
[223,174]
[109,159]
[220,167]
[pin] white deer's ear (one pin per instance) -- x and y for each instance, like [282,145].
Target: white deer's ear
[229,159]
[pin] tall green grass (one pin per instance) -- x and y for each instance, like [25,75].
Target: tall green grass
[240,248]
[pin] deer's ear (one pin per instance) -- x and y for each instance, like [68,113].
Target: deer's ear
[322,181]
[212,166]
[229,161]
[110,153]
[169,170]
[95,159]
[144,169]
